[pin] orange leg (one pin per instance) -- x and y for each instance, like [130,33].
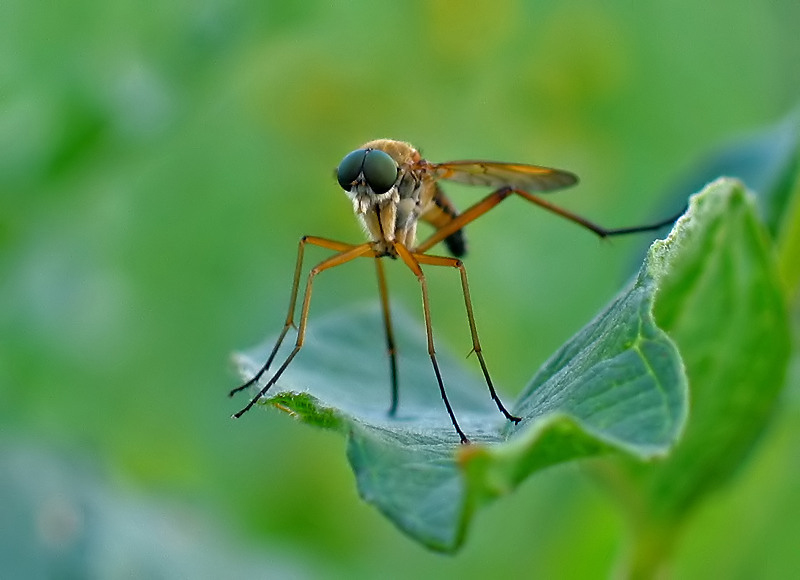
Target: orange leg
[346,253]
[298,270]
[476,345]
[387,323]
[494,198]
[411,261]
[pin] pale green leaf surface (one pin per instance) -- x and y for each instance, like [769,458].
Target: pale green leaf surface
[618,384]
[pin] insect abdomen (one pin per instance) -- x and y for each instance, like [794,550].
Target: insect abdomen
[439,215]
[457,244]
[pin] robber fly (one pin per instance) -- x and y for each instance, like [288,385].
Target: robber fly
[392,188]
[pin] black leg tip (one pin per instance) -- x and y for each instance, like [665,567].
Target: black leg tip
[232,392]
[238,414]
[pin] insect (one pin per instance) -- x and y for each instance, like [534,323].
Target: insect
[392,188]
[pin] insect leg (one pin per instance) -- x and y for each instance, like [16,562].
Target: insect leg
[414,266]
[470,214]
[348,254]
[490,201]
[298,268]
[597,229]
[476,345]
[387,323]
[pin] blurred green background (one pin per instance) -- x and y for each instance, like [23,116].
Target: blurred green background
[158,164]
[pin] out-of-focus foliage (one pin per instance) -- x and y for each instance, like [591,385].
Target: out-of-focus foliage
[65,522]
[158,164]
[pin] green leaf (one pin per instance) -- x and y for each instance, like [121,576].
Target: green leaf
[618,385]
[723,305]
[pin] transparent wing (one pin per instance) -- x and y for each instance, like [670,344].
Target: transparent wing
[496,174]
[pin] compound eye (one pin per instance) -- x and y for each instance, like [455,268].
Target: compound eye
[380,170]
[350,167]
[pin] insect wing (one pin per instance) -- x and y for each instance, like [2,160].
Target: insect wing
[496,174]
